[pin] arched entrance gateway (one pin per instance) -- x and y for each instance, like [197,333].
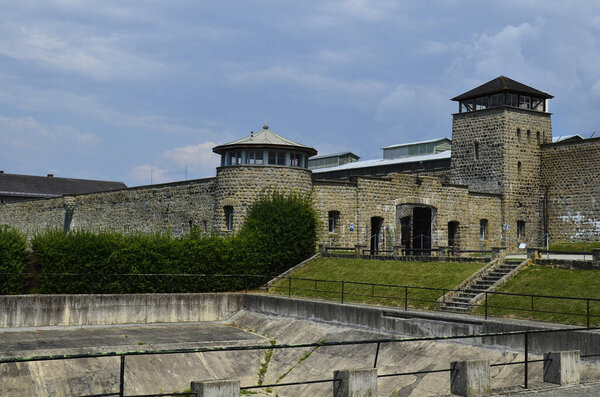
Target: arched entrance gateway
[415,222]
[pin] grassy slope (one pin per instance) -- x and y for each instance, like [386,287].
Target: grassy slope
[423,274]
[538,280]
[575,247]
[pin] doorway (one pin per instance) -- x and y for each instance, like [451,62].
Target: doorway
[376,224]
[421,231]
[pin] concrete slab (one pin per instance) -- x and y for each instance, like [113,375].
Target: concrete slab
[46,340]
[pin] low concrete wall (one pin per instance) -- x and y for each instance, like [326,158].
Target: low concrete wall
[79,310]
[48,310]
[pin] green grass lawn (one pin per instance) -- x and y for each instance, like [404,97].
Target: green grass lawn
[574,246]
[417,274]
[539,280]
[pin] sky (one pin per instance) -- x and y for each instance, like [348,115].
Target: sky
[140,91]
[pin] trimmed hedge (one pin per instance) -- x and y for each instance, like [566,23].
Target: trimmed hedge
[13,260]
[280,232]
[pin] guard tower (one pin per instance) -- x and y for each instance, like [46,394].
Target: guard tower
[259,163]
[496,138]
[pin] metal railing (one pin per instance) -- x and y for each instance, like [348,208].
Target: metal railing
[345,291]
[527,334]
[116,283]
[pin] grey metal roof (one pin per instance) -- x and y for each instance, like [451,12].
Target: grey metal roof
[417,143]
[501,84]
[45,186]
[380,162]
[265,138]
[322,156]
[562,138]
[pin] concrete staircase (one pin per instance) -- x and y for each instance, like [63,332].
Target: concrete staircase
[471,291]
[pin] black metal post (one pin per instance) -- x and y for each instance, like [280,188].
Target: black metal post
[376,355]
[486,305]
[289,287]
[405,298]
[531,304]
[588,313]
[342,292]
[526,334]
[122,378]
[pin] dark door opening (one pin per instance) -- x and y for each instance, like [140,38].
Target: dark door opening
[405,232]
[421,231]
[376,223]
[453,235]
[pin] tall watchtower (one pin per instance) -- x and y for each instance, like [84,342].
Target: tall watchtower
[261,162]
[496,138]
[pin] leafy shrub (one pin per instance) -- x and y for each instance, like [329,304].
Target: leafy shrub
[13,257]
[280,231]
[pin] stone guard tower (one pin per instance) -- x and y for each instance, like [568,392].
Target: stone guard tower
[259,163]
[496,148]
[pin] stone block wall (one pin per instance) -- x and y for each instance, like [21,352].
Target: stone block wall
[173,207]
[390,197]
[570,181]
[342,197]
[239,186]
[498,150]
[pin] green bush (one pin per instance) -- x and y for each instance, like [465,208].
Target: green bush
[280,231]
[13,261]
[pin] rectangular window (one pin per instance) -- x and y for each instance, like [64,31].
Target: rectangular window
[537,104]
[483,229]
[497,100]
[228,217]
[295,160]
[280,158]
[334,219]
[272,157]
[481,103]
[520,230]
[512,100]
[254,157]
[524,102]
[468,105]
[236,158]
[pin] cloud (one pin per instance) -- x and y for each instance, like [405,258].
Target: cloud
[32,99]
[28,133]
[98,57]
[148,174]
[313,81]
[200,155]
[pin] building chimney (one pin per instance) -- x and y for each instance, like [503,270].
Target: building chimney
[50,175]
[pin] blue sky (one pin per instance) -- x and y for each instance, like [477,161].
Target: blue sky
[114,89]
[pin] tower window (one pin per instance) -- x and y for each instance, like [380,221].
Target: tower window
[519,167]
[483,229]
[228,217]
[520,230]
[295,160]
[476,150]
[334,219]
[537,136]
[519,135]
[528,135]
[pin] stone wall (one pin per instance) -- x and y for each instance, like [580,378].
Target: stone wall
[239,186]
[389,198]
[498,150]
[342,197]
[174,207]
[571,183]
